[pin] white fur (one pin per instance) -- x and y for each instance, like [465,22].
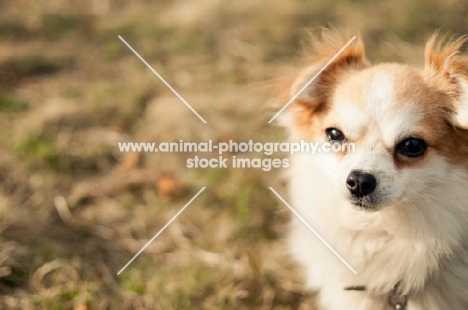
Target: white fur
[461,117]
[417,237]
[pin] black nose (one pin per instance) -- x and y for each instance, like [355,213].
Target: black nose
[360,183]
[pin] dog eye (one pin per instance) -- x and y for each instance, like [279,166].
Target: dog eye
[412,147]
[334,135]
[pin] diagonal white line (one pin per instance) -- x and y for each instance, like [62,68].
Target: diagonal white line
[163,80]
[312,79]
[313,230]
[162,229]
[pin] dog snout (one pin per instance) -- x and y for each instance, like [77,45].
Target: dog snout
[361,183]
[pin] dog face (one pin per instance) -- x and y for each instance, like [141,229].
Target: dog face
[409,126]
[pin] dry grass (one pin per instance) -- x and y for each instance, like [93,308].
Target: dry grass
[73,210]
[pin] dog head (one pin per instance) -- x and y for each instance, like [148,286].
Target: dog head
[409,126]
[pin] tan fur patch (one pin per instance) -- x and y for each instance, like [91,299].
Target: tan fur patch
[443,62]
[314,100]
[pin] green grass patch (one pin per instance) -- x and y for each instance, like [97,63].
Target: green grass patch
[11,104]
[62,26]
[39,151]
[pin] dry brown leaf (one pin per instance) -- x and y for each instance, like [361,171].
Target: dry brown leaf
[167,185]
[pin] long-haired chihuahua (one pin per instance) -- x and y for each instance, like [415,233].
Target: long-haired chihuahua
[396,205]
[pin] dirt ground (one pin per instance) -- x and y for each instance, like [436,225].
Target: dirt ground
[74,209]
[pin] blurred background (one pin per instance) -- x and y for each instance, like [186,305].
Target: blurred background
[74,210]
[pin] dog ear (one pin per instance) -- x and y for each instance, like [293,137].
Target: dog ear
[460,115]
[451,60]
[316,94]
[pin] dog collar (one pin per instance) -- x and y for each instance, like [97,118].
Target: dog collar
[395,299]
